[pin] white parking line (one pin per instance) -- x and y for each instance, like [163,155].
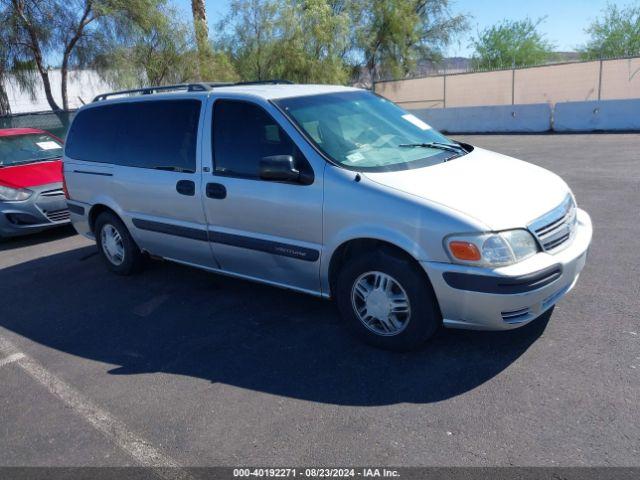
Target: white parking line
[117,431]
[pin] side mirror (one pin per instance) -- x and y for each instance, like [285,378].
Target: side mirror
[279,167]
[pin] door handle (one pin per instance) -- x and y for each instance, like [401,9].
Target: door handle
[186,187]
[216,190]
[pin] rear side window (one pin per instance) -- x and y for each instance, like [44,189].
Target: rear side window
[162,135]
[94,134]
[243,133]
[155,134]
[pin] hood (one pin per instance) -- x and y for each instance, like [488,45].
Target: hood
[496,190]
[31,174]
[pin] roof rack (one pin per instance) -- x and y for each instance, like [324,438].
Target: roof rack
[189,87]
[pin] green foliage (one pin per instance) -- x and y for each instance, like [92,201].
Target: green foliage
[70,31]
[393,35]
[328,41]
[164,51]
[159,53]
[130,42]
[21,71]
[249,37]
[141,42]
[314,44]
[616,34]
[303,41]
[511,44]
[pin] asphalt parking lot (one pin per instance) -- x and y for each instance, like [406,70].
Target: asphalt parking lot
[178,366]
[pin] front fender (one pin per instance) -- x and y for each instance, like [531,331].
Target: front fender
[368,232]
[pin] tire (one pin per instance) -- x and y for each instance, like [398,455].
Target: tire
[122,257]
[406,330]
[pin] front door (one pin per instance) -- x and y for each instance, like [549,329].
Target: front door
[263,229]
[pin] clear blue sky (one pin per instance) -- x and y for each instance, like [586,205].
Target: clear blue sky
[564,26]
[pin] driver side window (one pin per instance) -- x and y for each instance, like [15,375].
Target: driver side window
[243,134]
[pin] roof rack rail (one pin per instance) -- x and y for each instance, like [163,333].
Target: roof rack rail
[189,87]
[219,84]
[275,81]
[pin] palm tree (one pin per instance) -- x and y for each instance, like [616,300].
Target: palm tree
[199,10]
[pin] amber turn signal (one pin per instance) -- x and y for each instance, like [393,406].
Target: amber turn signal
[464,251]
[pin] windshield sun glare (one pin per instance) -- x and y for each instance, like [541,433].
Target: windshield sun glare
[362,131]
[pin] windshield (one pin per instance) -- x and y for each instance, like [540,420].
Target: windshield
[362,131]
[32,147]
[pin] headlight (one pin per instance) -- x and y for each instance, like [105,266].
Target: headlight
[14,194]
[491,249]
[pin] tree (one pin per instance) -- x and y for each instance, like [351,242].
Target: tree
[511,44]
[68,29]
[326,40]
[392,35]
[315,40]
[5,108]
[617,34]
[12,69]
[250,37]
[5,66]
[212,65]
[201,29]
[32,41]
[162,52]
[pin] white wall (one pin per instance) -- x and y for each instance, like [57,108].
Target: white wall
[82,83]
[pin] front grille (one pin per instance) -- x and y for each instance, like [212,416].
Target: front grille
[58,215]
[52,193]
[554,229]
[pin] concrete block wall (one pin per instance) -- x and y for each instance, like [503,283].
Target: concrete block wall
[588,116]
[607,115]
[490,119]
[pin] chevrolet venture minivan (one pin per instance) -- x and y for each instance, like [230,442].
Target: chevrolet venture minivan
[327,190]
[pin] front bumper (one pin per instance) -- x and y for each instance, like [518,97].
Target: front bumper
[509,297]
[46,208]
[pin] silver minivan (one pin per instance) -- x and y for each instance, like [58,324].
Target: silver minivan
[327,190]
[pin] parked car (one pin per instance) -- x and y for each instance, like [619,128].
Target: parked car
[327,190]
[31,196]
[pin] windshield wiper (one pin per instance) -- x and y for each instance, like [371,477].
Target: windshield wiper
[171,168]
[449,147]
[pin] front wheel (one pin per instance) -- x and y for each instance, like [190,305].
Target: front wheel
[387,301]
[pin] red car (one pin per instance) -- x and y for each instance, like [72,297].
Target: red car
[31,192]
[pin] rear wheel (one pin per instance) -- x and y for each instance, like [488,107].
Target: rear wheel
[116,246]
[387,301]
